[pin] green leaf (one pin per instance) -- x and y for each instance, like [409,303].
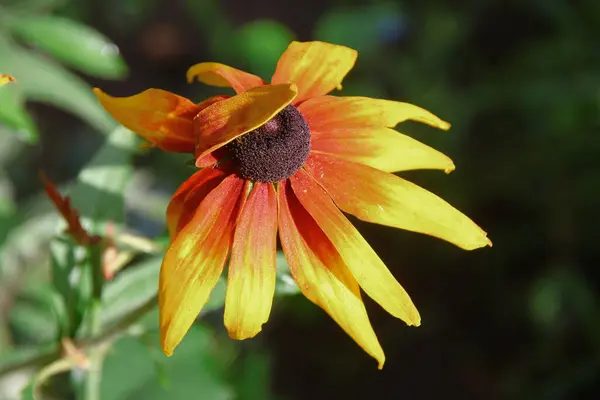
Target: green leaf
[130,289]
[285,284]
[98,192]
[14,115]
[130,373]
[262,42]
[35,5]
[365,28]
[43,80]
[74,44]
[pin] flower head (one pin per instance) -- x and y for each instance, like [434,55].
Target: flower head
[288,158]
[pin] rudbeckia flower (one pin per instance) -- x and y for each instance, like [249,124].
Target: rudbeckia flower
[288,158]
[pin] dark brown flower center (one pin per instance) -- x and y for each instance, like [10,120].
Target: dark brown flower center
[274,151]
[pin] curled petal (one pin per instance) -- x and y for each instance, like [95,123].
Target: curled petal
[252,270]
[220,123]
[188,197]
[362,261]
[194,262]
[329,113]
[381,148]
[316,67]
[321,273]
[386,199]
[222,75]
[162,118]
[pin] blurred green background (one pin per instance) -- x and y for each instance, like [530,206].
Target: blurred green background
[519,81]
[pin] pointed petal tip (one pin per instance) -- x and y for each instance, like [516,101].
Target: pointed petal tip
[451,167]
[482,241]
[443,125]
[381,362]
[167,348]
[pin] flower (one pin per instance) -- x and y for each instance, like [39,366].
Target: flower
[288,157]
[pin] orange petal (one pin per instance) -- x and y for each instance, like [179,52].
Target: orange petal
[4,79]
[252,271]
[162,118]
[222,75]
[364,264]
[219,124]
[316,67]
[381,148]
[386,199]
[188,197]
[194,262]
[321,274]
[329,113]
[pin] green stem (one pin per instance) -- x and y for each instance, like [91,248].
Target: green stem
[91,385]
[95,356]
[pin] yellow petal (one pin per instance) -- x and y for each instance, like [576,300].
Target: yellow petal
[386,199]
[222,75]
[4,79]
[381,148]
[316,67]
[329,113]
[364,264]
[194,262]
[188,197]
[162,118]
[321,274]
[251,276]
[219,124]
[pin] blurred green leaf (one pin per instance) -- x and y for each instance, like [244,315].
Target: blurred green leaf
[130,289]
[98,192]
[34,321]
[72,43]
[14,115]
[135,371]
[365,29]
[190,373]
[253,381]
[35,5]
[285,285]
[43,80]
[262,42]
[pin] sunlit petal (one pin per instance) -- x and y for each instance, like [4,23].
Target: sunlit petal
[220,123]
[316,67]
[383,198]
[216,74]
[188,197]
[162,118]
[321,273]
[329,113]
[251,276]
[364,264]
[381,148]
[194,262]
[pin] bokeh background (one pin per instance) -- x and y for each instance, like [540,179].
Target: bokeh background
[519,81]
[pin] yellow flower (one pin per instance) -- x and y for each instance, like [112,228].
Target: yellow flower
[288,157]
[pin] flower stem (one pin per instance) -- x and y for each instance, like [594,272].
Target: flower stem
[95,356]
